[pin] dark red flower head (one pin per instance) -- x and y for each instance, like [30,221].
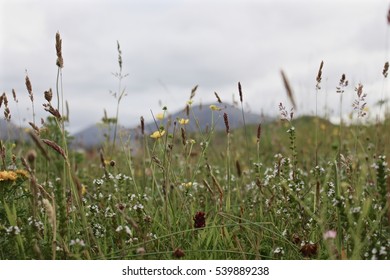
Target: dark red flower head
[178,253]
[200,219]
[309,250]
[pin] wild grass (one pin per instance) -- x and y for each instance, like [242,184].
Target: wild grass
[299,188]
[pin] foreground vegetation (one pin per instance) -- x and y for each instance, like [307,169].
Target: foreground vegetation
[291,189]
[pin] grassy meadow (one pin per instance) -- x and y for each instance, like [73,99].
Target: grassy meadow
[295,188]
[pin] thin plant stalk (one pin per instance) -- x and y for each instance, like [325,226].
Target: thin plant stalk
[121,92]
[318,88]
[228,171]
[243,117]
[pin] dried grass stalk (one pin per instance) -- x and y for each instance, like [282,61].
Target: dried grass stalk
[385,71]
[52,111]
[55,147]
[288,88]
[29,88]
[50,211]
[26,165]
[142,125]
[36,128]
[183,136]
[240,91]
[1,99]
[7,112]
[14,95]
[208,187]
[103,162]
[238,168]
[39,144]
[187,110]
[48,95]
[119,55]
[226,121]
[258,132]
[193,91]
[217,96]
[319,75]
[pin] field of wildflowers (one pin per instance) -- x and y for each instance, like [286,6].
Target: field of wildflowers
[299,188]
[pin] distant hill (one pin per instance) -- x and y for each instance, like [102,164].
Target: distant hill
[200,118]
[96,135]
[9,131]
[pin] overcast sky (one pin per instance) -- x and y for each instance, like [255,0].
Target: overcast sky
[170,46]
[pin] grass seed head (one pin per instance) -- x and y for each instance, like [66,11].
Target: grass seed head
[240,91]
[7,112]
[55,147]
[14,95]
[49,108]
[319,76]
[60,60]
[119,55]
[218,98]
[226,121]
[258,132]
[48,95]
[385,71]
[29,88]
[142,125]
[193,92]
[50,211]
[1,99]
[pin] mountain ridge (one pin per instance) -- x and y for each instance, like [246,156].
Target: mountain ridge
[200,117]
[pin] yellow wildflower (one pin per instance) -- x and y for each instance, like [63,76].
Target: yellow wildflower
[215,108]
[83,190]
[184,121]
[187,185]
[8,176]
[157,134]
[22,172]
[160,116]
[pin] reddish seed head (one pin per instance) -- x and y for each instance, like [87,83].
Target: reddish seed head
[178,253]
[309,250]
[199,219]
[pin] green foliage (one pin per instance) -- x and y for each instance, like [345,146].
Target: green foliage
[143,204]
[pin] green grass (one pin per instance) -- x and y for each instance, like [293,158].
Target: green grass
[267,199]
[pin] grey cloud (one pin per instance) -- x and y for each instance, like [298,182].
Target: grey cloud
[170,46]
